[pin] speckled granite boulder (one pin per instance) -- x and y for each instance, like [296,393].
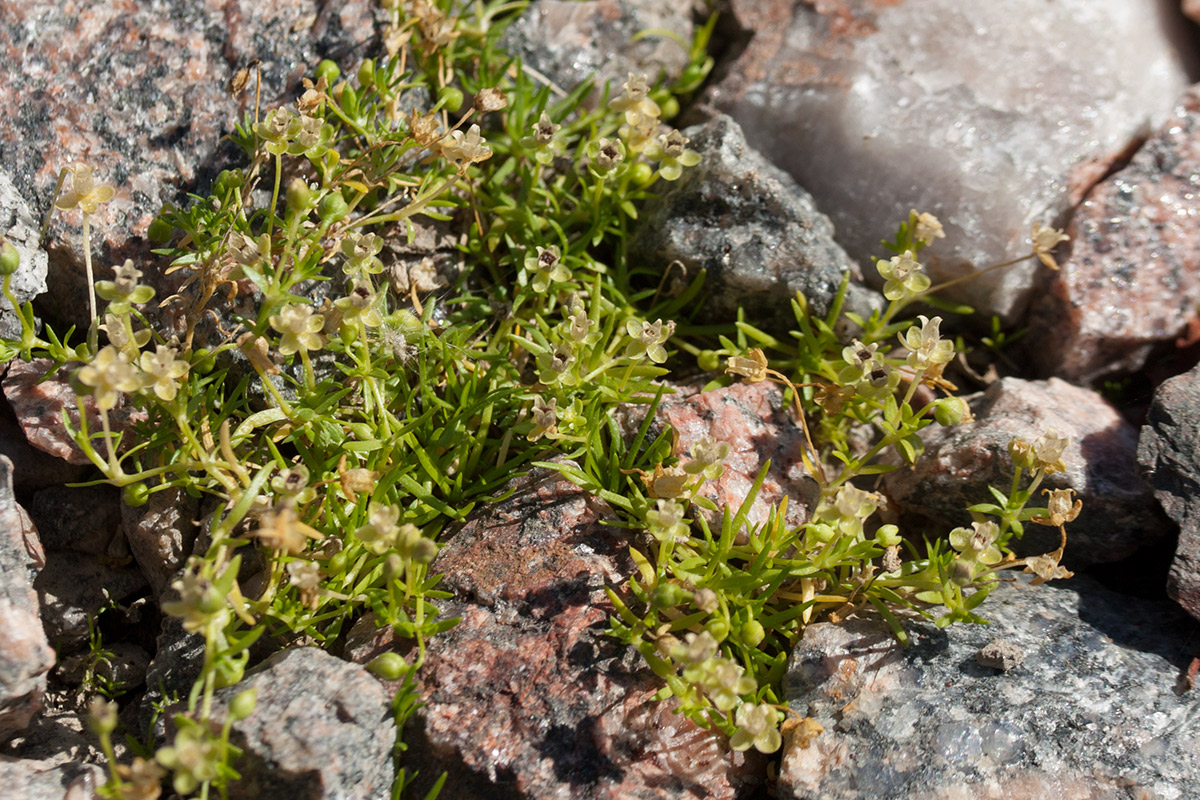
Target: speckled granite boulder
[569,42]
[759,235]
[1132,279]
[322,729]
[25,655]
[80,519]
[1119,515]
[1169,457]
[138,90]
[1093,712]
[19,227]
[527,697]
[989,115]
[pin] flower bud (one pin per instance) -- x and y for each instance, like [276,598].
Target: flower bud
[451,98]
[719,628]
[708,361]
[299,197]
[668,595]
[160,231]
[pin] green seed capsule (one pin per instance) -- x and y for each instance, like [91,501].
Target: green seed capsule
[450,98]
[135,495]
[753,633]
[243,705]
[328,70]
[160,231]
[333,208]
[389,666]
[366,72]
[10,259]
[708,361]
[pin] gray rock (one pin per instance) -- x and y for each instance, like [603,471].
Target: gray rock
[176,664]
[75,586]
[161,534]
[82,519]
[47,780]
[759,235]
[57,738]
[569,42]
[33,469]
[527,697]
[20,228]
[25,655]
[989,115]
[1169,458]
[322,729]
[1132,279]
[1094,711]
[960,462]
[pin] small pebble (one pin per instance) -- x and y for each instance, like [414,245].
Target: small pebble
[1001,655]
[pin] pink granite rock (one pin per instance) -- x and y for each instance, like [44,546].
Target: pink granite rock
[1132,279]
[527,697]
[39,401]
[1192,9]
[25,655]
[959,463]
[138,90]
[750,418]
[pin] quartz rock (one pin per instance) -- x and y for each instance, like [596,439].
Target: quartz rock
[1132,280]
[960,462]
[1169,458]
[760,237]
[1092,713]
[527,696]
[952,107]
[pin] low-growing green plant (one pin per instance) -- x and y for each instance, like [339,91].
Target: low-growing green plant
[339,408]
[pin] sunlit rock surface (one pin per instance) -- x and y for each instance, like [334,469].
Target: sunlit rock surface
[990,115]
[1094,710]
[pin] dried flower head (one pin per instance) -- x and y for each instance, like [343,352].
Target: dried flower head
[1045,239]
[752,366]
[1059,508]
[927,228]
[491,99]
[469,148]
[281,529]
